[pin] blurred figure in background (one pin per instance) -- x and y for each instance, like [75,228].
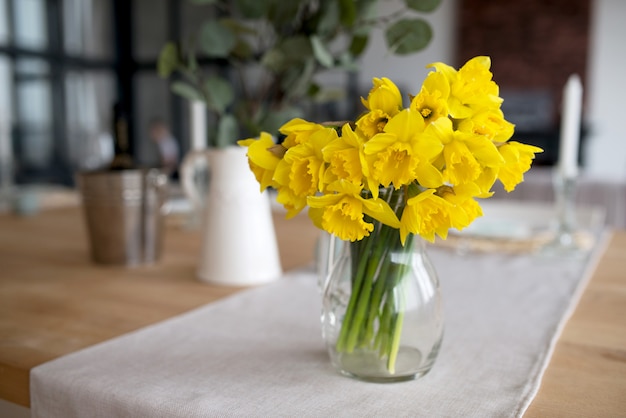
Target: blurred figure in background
[169,149]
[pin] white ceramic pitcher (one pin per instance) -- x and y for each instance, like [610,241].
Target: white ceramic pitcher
[238,238]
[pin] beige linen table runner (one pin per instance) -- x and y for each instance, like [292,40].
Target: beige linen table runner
[260,352]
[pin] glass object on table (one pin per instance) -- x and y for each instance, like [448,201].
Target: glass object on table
[327,253]
[382,310]
[567,238]
[195,177]
[194,169]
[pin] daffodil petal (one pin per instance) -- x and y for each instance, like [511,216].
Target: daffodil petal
[381,211]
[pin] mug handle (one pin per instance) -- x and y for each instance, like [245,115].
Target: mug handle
[194,189]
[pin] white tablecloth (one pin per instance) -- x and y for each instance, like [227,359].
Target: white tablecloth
[260,353]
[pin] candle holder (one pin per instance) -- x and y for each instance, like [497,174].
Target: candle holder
[566,239]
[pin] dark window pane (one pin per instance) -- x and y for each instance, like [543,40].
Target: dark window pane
[35,147]
[150,28]
[153,101]
[87,28]
[89,98]
[4,22]
[31,29]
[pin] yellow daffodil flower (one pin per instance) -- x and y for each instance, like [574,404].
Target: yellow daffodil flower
[465,207]
[465,155]
[372,123]
[402,155]
[489,122]
[298,131]
[300,173]
[432,100]
[426,214]
[384,95]
[344,157]
[383,102]
[471,87]
[342,212]
[485,181]
[518,158]
[262,162]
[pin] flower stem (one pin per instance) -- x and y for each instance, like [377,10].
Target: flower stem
[363,295]
[358,250]
[396,332]
[377,296]
[399,296]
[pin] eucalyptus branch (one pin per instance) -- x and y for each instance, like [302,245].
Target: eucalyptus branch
[381,20]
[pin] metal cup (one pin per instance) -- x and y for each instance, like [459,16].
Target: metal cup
[124,214]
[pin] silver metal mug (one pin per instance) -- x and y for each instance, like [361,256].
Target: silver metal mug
[124,214]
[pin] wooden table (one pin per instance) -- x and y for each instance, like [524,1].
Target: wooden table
[54,301]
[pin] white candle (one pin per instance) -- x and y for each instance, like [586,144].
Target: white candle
[198,126]
[570,127]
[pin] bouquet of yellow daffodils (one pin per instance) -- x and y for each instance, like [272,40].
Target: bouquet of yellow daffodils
[396,172]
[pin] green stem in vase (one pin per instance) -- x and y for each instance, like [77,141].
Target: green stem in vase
[396,333]
[363,296]
[384,327]
[399,296]
[377,297]
[358,251]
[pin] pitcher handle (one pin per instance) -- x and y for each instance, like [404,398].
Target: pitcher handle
[194,190]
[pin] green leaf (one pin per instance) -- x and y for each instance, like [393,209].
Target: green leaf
[408,35]
[347,62]
[187,91]
[168,60]
[347,12]
[216,39]
[322,54]
[296,80]
[219,93]
[227,131]
[274,60]
[281,12]
[313,90]
[366,12]
[293,51]
[297,48]
[252,9]
[422,5]
[237,27]
[329,17]
[358,44]
[192,62]
[242,49]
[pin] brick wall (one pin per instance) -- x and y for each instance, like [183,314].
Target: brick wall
[534,44]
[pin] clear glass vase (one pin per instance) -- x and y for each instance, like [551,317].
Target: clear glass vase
[382,315]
